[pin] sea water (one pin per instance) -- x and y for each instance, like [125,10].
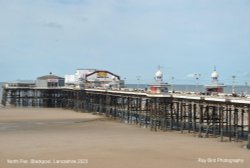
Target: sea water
[194,88]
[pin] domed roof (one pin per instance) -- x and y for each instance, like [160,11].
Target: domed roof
[159,74]
[214,74]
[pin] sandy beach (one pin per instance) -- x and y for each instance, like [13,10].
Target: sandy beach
[43,137]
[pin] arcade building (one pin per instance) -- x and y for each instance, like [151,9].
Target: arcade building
[93,78]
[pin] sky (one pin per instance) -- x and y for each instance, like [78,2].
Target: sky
[127,37]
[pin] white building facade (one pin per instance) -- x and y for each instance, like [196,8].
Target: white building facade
[93,78]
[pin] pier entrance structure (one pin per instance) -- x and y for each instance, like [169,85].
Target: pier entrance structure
[205,116]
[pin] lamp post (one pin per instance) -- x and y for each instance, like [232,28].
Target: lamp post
[246,85]
[172,78]
[138,81]
[124,82]
[197,77]
[233,84]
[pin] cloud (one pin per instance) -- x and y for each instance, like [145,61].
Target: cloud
[68,2]
[243,74]
[191,75]
[118,31]
[53,25]
[84,19]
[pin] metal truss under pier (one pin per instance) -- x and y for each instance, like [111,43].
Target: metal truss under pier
[207,116]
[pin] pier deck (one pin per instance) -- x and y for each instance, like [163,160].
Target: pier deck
[205,116]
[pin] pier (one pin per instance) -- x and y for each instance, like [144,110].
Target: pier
[205,116]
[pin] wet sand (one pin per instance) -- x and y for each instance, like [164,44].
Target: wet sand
[52,136]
